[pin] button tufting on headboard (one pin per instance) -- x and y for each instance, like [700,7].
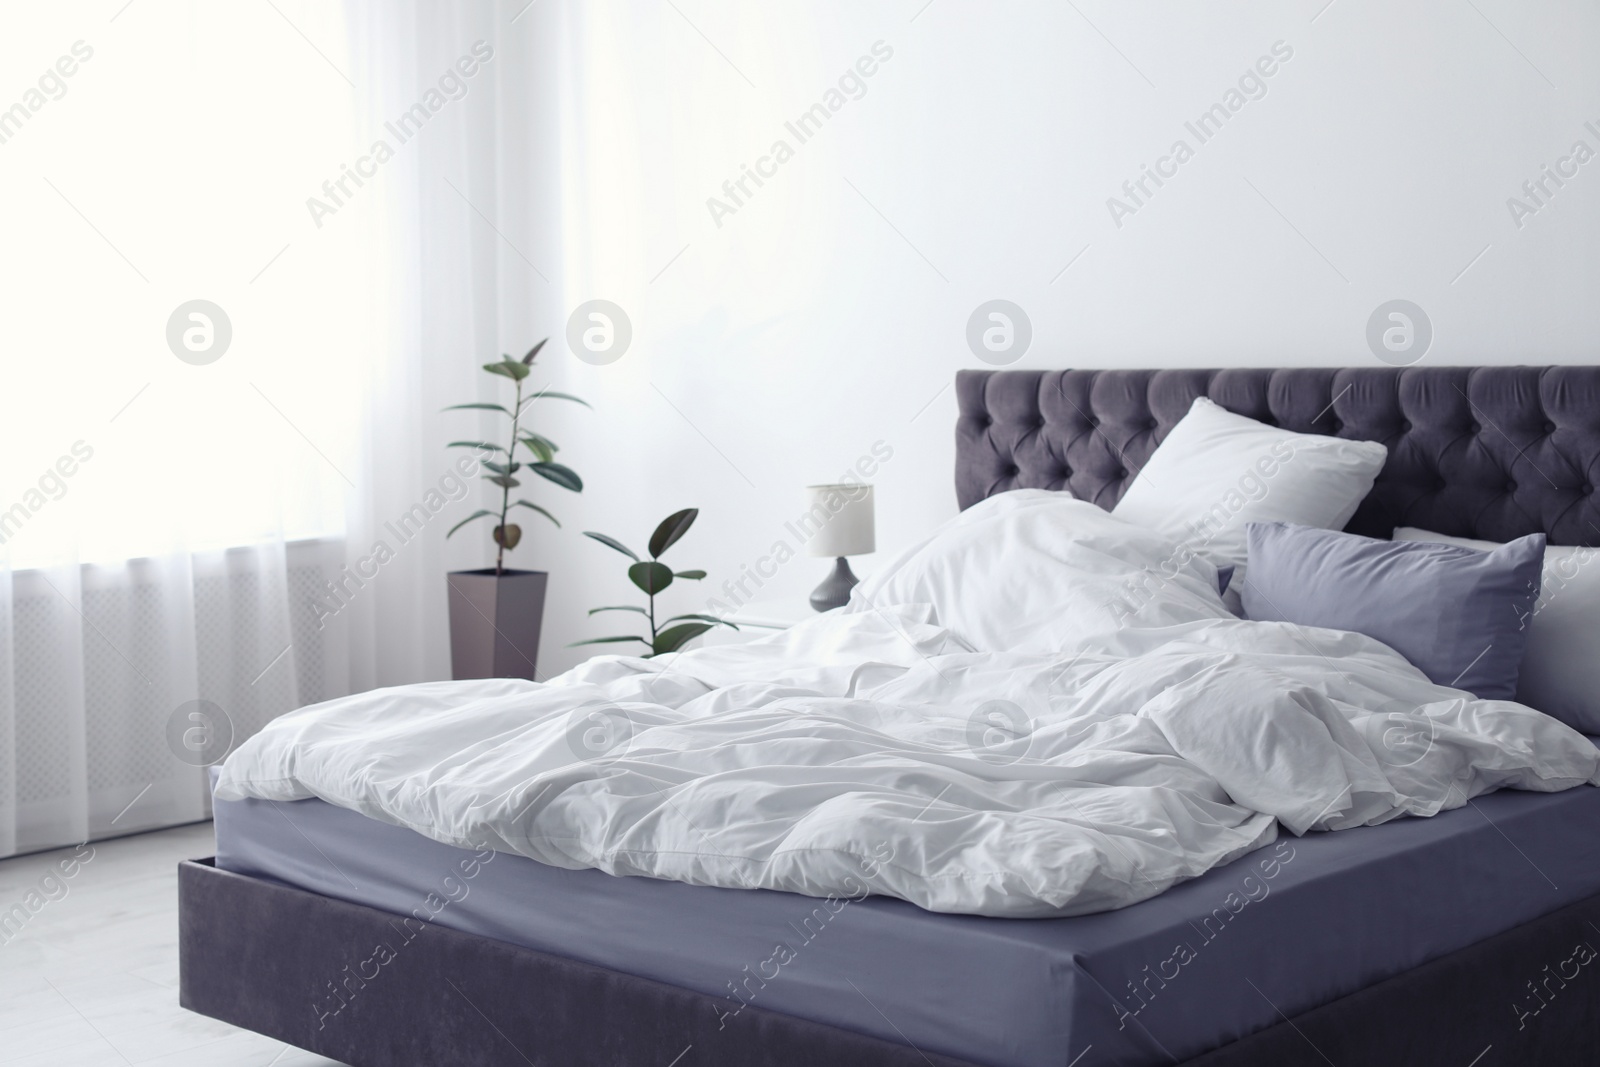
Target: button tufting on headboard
[1487,452]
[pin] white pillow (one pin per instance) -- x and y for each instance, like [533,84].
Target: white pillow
[1217,471]
[1561,662]
[1037,571]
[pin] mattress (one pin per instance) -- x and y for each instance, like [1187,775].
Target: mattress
[1273,934]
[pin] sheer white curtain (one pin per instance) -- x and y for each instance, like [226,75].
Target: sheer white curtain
[184,522]
[462,211]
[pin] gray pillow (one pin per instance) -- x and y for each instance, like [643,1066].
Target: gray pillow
[1458,614]
[1560,672]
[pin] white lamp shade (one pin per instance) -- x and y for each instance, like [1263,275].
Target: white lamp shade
[838,519]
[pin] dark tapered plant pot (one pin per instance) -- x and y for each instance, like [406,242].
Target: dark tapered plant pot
[494,622]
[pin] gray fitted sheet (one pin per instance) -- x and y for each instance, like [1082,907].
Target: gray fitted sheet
[1159,981]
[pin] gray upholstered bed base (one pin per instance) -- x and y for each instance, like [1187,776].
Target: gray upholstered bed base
[1482,452]
[276,960]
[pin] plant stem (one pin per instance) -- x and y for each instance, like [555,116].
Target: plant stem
[505,490]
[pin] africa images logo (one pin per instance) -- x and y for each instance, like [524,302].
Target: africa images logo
[851,85]
[199,733]
[1399,333]
[1251,85]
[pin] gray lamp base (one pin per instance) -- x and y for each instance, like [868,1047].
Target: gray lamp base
[834,592]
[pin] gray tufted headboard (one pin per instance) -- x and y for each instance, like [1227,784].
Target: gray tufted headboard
[1486,452]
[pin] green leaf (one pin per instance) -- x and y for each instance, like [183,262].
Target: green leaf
[508,368]
[612,542]
[528,437]
[536,507]
[565,477]
[703,618]
[608,641]
[693,575]
[675,637]
[502,480]
[620,607]
[543,449]
[553,395]
[502,468]
[479,407]
[485,445]
[527,360]
[650,576]
[672,527]
[480,513]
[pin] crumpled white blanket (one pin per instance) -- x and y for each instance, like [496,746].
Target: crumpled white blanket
[981,730]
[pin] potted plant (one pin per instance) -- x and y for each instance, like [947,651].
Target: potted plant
[652,577]
[496,612]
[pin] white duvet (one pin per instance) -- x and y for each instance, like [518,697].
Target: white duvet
[1041,710]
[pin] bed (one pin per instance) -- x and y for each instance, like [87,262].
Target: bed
[1456,939]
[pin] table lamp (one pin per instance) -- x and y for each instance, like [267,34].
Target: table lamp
[843,514]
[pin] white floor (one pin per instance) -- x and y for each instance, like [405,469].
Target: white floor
[92,978]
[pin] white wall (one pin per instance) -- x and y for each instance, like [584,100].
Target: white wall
[830,311]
